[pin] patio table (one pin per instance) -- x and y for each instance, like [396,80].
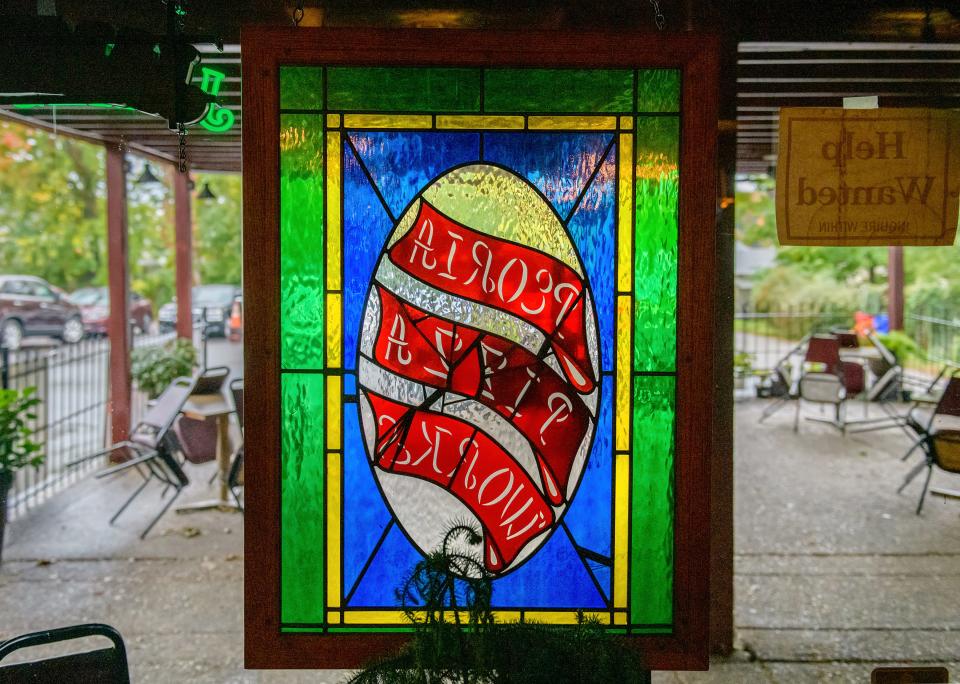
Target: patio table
[201,407]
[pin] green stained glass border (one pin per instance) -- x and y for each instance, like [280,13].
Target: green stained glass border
[645,105]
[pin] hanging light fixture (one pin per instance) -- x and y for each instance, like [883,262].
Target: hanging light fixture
[147,177]
[206,193]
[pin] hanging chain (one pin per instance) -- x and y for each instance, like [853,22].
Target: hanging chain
[182,134]
[298,13]
[658,15]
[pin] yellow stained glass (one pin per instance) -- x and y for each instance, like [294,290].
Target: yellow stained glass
[334,331]
[625,216]
[572,123]
[334,398]
[482,122]
[333,210]
[387,121]
[621,538]
[334,486]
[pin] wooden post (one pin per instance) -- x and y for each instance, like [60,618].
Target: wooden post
[184,252]
[721,464]
[118,326]
[895,291]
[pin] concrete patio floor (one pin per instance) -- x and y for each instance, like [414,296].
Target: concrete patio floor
[834,572]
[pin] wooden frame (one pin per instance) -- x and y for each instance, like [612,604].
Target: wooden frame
[264,51]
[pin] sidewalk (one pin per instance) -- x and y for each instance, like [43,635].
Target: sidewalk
[834,572]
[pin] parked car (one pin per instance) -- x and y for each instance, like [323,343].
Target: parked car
[211,303]
[94,303]
[31,306]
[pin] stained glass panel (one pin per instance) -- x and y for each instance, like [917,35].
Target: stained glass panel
[474,294]
[655,250]
[658,90]
[558,90]
[301,241]
[398,89]
[302,514]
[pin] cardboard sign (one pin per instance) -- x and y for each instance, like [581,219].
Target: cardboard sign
[857,177]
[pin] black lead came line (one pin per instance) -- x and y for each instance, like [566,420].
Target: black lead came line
[373,184]
[586,186]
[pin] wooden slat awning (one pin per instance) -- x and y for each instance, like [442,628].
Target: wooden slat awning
[149,135]
[771,75]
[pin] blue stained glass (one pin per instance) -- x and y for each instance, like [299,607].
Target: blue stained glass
[364,513]
[555,577]
[365,227]
[589,515]
[393,562]
[349,383]
[559,164]
[593,229]
[602,573]
[402,163]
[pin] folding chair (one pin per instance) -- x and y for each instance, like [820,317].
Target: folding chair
[778,385]
[939,438]
[106,665]
[234,477]
[821,379]
[151,448]
[884,390]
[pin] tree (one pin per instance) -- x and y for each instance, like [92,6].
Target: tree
[217,230]
[53,217]
[52,204]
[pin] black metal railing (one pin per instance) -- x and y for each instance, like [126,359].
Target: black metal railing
[937,333]
[73,421]
[766,337]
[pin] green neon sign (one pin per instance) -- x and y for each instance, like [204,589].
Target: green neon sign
[218,119]
[104,105]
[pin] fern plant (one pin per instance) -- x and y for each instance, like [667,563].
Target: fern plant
[456,640]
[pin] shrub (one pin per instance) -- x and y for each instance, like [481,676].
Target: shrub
[155,367]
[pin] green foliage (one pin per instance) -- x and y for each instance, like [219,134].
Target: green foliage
[755,212]
[790,287]
[901,345]
[483,651]
[742,363]
[51,207]
[53,217]
[851,277]
[216,238]
[155,367]
[17,449]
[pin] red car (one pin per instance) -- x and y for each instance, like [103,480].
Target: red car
[31,306]
[94,303]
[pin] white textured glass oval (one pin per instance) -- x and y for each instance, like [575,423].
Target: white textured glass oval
[478,368]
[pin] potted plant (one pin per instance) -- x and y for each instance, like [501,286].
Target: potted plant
[465,645]
[901,345]
[155,367]
[17,449]
[742,367]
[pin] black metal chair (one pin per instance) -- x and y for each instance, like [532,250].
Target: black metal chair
[102,665]
[151,448]
[234,477]
[939,438]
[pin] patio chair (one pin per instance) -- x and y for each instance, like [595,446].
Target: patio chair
[235,476]
[885,389]
[151,447]
[778,385]
[822,379]
[106,665]
[939,439]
